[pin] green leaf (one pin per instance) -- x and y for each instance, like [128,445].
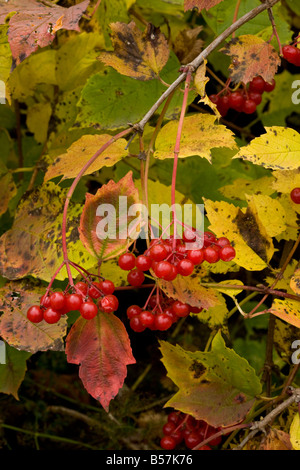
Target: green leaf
[13,371]
[217,386]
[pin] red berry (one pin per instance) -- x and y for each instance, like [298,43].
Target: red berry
[249,106]
[109,303]
[211,255]
[196,256]
[177,435]
[205,448]
[162,322]
[208,239]
[257,84]
[136,324]
[163,270]
[175,417]
[270,86]
[222,241]
[169,311]
[135,277]
[195,309]
[168,443]
[255,96]
[82,286]
[185,267]
[168,428]
[57,301]
[158,252]
[236,100]
[133,311]
[45,301]
[95,290]
[214,98]
[227,253]
[147,318]
[193,439]
[223,105]
[73,302]
[143,262]
[35,314]
[51,316]
[107,287]
[291,54]
[295,195]
[181,309]
[189,235]
[88,310]
[126,261]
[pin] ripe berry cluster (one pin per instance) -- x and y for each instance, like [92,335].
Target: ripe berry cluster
[291,54]
[159,314]
[86,298]
[243,100]
[171,257]
[182,427]
[295,195]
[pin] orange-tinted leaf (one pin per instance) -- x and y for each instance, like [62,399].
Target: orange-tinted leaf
[251,56]
[104,225]
[200,4]
[276,440]
[8,189]
[287,310]
[34,24]
[137,54]
[17,330]
[101,348]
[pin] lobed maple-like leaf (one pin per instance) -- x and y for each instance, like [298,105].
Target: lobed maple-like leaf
[137,54]
[34,24]
[251,56]
[17,330]
[105,226]
[218,386]
[200,4]
[101,348]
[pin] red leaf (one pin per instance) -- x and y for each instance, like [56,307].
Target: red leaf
[34,24]
[101,348]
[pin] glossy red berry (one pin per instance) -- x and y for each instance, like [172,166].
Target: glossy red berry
[168,428]
[227,253]
[249,106]
[35,314]
[192,440]
[255,96]
[257,84]
[236,100]
[214,98]
[185,267]
[162,322]
[158,252]
[181,309]
[147,318]
[291,54]
[143,263]
[168,443]
[94,290]
[82,287]
[126,261]
[107,287]
[109,303]
[270,86]
[45,301]
[222,241]
[211,254]
[208,239]
[88,310]
[223,105]
[295,195]
[136,324]
[57,301]
[196,256]
[51,316]
[163,270]
[133,311]
[73,302]
[135,277]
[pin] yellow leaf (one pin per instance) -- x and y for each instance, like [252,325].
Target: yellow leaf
[285,181]
[199,135]
[253,246]
[288,310]
[295,432]
[70,163]
[241,188]
[137,54]
[186,45]
[251,56]
[201,79]
[227,290]
[270,212]
[295,281]
[277,149]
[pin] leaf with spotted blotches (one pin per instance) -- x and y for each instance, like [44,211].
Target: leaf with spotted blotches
[200,4]
[8,188]
[106,228]
[217,386]
[34,24]
[101,348]
[251,56]
[137,54]
[33,245]
[287,310]
[17,330]
[277,149]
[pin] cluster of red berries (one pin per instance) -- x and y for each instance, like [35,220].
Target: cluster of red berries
[86,298]
[182,427]
[158,314]
[295,195]
[291,54]
[243,100]
[170,257]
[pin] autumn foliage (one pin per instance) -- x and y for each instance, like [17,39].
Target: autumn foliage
[189,102]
